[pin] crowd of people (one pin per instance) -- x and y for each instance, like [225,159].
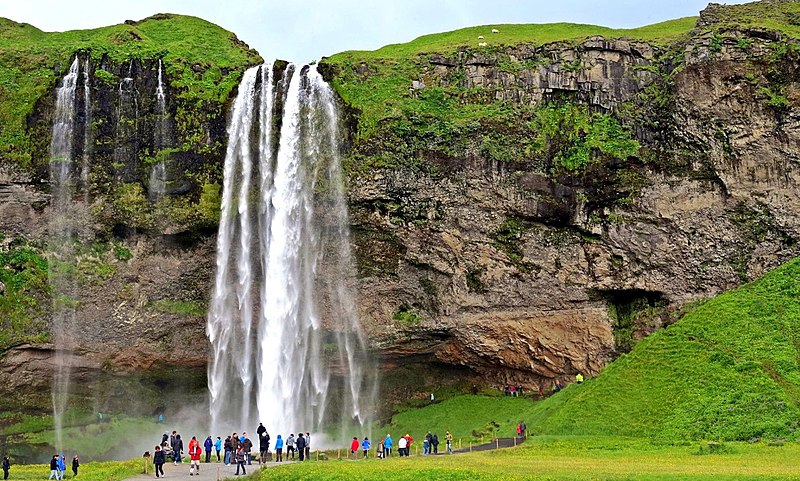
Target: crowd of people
[385,447]
[235,449]
[58,467]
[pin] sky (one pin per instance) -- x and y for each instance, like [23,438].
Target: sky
[306,30]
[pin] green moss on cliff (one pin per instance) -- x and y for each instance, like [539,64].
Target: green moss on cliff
[202,62]
[24,296]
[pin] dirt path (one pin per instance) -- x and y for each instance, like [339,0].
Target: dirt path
[208,471]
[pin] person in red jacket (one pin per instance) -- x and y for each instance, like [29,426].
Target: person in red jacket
[194,455]
[354,446]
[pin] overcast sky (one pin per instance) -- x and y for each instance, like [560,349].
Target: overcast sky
[307,30]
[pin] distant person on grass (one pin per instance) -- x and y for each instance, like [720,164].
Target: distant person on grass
[354,445]
[54,467]
[62,467]
[435,443]
[6,467]
[387,445]
[365,445]
[449,438]
[158,461]
[75,465]
[308,446]
[402,444]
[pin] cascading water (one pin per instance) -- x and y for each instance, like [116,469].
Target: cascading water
[158,174]
[287,346]
[127,127]
[61,242]
[87,131]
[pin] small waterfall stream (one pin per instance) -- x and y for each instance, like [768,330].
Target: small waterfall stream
[287,345]
[61,242]
[158,173]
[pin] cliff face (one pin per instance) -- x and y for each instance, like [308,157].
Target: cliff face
[519,213]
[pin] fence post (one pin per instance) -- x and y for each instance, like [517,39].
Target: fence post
[338,454]
[459,443]
[515,441]
[470,446]
[317,454]
[497,443]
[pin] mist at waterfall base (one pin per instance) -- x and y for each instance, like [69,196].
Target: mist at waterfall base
[287,347]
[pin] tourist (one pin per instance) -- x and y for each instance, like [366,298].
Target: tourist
[218,447]
[263,445]
[75,465]
[402,446]
[159,460]
[380,449]
[261,429]
[365,445]
[172,438]
[228,446]
[387,445]
[177,449]
[290,446]
[301,446]
[279,449]
[426,446]
[54,467]
[308,447]
[194,455]
[6,467]
[240,459]
[354,446]
[208,444]
[435,443]
[62,467]
[449,439]
[248,448]
[522,428]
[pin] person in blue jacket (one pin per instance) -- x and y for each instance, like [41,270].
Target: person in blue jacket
[218,446]
[279,449]
[365,445]
[387,446]
[208,444]
[62,467]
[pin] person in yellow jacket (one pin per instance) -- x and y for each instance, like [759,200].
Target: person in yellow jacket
[449,438]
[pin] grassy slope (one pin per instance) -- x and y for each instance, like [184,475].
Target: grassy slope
[106,471]
[29,55]
[567,459]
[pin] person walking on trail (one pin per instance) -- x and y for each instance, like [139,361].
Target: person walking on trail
[365,445]
[218,447]
[208,444]
[301,446]
[449,439]
[240,459]
[177,449]
[308,447]
[6,467]
[354,446]
[387,446]
[279,449]
[194,455]
[522,428]
[75,465]
[62,467]
[435,443]
[290,446]
[54,467]
[158,461]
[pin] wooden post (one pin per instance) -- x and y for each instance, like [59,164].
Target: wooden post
[515,441]
[416,451]
[317,454]
[470,446]
[497,443]
[459,443]
[338,454]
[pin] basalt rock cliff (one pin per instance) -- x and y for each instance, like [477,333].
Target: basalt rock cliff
[522,210]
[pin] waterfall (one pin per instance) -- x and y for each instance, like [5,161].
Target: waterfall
[87,131]
[61,243]
[158,174]
[287,345]
[127,126]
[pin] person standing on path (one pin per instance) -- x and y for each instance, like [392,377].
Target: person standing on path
[449,438]
[354,446]
[435,443]
[228,445]
[208,444]
[75,465]
[6,467]
[365,445]
[177,449]
[308,447]
[158,461]
[240,458]
[54,467]
[279,449]
[301,446]
[401,446]
[290,446]
[387,446]
[218,446]
[194,456]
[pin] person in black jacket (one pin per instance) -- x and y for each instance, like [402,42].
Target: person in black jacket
[54,467]
[300,443]
[158,461]
[6,467]
[75,464]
